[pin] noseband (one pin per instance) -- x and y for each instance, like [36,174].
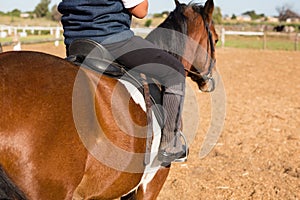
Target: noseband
[207,78]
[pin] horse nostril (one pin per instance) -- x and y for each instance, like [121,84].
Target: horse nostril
[209,85]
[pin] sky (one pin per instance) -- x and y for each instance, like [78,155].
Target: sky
[228,7]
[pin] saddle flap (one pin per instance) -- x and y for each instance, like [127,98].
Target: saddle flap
[105,67]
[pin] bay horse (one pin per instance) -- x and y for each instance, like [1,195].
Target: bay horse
[42,155]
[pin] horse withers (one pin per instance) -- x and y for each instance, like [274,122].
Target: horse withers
[72,133]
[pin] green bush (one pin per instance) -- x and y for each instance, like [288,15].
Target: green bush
[148,23]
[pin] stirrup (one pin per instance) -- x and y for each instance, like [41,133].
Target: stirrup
[168,158]
[183,158]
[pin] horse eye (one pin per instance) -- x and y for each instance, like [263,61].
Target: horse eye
[216,41]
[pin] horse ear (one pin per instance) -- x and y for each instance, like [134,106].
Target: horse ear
[177,3]
[209,9]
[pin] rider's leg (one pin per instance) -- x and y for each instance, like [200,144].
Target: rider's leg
[143,56]
[171,147]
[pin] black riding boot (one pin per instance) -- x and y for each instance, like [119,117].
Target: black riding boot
[172,148]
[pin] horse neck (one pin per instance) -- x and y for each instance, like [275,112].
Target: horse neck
[170,35]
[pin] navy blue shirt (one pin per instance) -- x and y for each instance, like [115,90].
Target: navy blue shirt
[104,21]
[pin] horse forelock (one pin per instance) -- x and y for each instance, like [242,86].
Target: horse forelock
[197,7]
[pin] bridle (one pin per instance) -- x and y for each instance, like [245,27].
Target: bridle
[206,78]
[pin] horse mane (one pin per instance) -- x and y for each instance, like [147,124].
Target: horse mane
[171,34]
[8,190]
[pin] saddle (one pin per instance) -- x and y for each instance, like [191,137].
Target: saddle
[92,55]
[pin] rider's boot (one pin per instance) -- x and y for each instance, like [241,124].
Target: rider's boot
[172,148]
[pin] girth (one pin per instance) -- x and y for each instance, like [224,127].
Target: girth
[92,55]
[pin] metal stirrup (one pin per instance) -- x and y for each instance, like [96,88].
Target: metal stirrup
[183,159]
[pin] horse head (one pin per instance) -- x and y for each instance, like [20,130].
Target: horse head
[199,54]
[189,34]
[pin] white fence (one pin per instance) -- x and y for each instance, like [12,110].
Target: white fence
[142,31]
[261,34]
[22,30]
[241,33]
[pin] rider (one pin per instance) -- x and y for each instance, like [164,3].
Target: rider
[108,23]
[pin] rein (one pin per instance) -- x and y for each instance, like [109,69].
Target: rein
[208,76]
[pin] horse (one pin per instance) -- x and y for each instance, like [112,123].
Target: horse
[46,102]
[279,28]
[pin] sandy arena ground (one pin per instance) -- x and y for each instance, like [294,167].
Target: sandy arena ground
[258,153]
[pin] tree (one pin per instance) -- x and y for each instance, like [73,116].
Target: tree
[286,12]
[165,13]
[157,15]
[217,15]
[253,15]
[233,17]
[41,10]
[55,15]
[14,13]
[148,23]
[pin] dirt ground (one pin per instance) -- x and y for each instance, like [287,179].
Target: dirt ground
[258,153]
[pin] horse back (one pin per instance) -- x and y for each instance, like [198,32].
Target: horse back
[37,130]
[40,148]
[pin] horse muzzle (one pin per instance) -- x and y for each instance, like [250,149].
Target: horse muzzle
[208,84]
[205,83]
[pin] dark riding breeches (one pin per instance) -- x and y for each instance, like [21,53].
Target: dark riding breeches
[143,56]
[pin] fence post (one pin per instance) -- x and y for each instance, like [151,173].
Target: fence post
[223,37]
[296,41]
[9,30]
[265,40]
[57,35]
[16,43]
[15,31]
